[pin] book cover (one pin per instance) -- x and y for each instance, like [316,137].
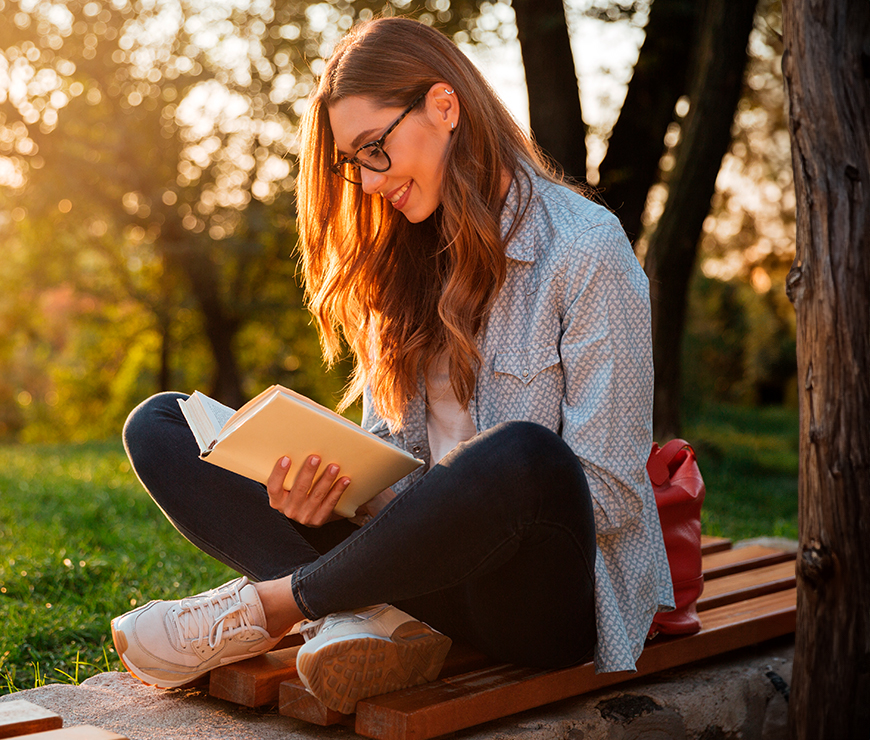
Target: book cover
[281,422]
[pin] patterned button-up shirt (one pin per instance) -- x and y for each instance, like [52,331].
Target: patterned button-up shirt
[567,345]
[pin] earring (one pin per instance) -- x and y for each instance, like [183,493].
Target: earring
[452,126]
[449,92]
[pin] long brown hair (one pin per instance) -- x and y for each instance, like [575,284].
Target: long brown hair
[403,293]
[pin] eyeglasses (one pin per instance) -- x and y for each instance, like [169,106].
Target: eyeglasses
[372,156]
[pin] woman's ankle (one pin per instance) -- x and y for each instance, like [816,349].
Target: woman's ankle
[279,606]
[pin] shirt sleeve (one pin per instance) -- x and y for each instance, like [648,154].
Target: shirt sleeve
[606,351]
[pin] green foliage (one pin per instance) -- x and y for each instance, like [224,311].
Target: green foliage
[749,460]
[739,346]
[740,338]
[81,541]
[146,166]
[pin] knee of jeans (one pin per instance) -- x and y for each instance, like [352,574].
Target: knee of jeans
[533,448]
[145,420]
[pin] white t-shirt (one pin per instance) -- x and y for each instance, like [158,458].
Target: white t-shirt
[447,423]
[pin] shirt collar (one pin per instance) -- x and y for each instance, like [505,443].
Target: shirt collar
[521,246]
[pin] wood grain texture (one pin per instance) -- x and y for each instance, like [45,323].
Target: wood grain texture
[452,704]
[747,584]
[22,717]
[826,66]
[750,598]
[295,701]
[741,559]
[710,544]
[254,682]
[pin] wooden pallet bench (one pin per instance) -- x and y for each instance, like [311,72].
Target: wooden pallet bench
[749,597]
[23,719]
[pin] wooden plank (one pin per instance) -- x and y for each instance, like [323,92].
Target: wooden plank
[254,682]
[21,717]
[453,704]
[80,732]
[738,559]
[711,544]
[747,585]
[463,658]
[295,701]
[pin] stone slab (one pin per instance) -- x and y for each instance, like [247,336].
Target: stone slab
[742,695]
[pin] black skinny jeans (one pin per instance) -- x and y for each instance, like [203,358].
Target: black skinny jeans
[494,546]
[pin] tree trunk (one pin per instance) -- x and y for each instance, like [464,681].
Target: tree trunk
[163,312]
[220,328]
[631,165]
[220,323]
[554,103]
[827,74]
[706,135]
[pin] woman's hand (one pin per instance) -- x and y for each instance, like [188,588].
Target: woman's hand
[310,500]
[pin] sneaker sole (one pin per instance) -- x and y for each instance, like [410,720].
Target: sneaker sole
[342,673]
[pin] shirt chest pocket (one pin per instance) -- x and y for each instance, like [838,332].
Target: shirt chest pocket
[526,363]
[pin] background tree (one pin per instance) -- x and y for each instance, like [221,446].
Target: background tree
[827,72]
[717,81]
[659,79]
[740,320]
[554,105]
[145,193]
[694,52]
[147,165]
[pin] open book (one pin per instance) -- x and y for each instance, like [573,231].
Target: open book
[281,422]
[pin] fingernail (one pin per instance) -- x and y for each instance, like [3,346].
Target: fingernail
[333,469]
[314,461]
[285,462]
[345,482]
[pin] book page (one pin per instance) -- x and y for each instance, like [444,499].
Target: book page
[217,412]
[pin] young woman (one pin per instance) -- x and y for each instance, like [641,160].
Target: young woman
[500,328]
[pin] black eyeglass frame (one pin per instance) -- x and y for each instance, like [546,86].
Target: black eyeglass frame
[376,144]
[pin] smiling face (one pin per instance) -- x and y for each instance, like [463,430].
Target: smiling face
[417,147]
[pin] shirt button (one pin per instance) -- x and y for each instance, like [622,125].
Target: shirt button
[525,373]
[416,448]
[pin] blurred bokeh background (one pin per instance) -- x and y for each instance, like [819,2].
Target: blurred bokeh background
[147,164]
[147,242]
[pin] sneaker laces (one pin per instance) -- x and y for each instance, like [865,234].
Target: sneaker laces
[208,616]
[309,629]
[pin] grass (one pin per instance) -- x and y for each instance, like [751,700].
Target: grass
[81,542]
[749,460]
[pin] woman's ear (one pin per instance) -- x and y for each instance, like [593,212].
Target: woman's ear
[445,105]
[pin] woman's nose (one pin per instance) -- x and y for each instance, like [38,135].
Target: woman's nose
[371,181]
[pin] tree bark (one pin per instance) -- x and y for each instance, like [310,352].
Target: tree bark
[221,325]
[706,135]
[554,103]
[827,75]
[220,328]
[631,166]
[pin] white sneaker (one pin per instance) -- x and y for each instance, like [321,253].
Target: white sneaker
[349,656]
[170,643]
